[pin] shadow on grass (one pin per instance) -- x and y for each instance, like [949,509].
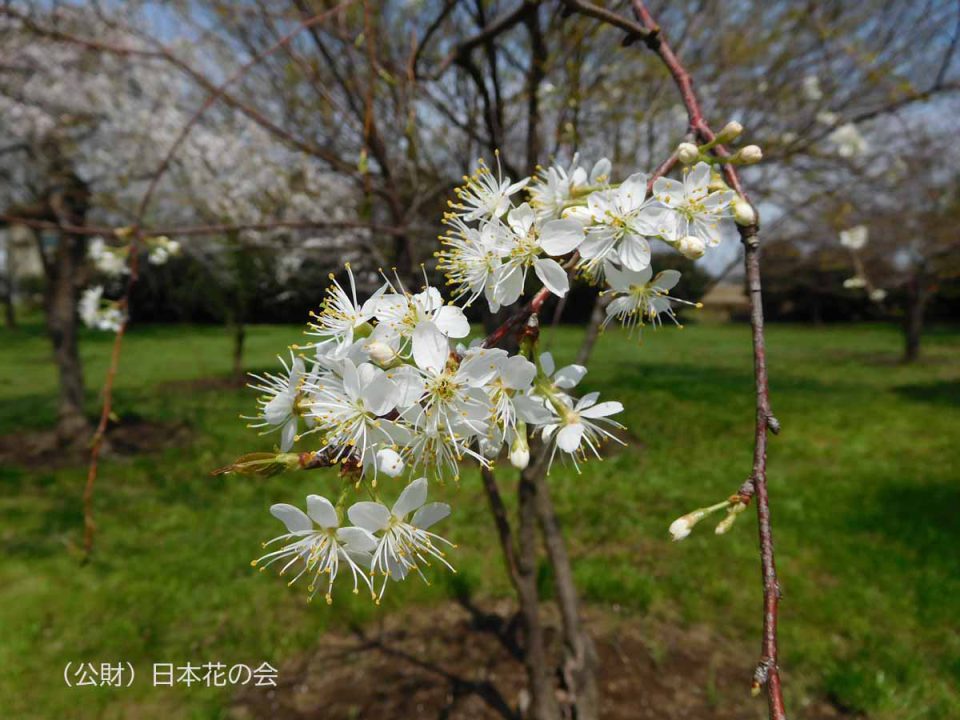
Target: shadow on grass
[945,393]
[922,516]
[706,384]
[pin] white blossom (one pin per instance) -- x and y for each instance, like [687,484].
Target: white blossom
[403,546]
[319,549]
[855,238]
[640,298]
[282,401]
[618,221]
[697,211]
[485,196]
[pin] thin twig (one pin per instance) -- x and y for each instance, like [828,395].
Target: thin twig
[768,671]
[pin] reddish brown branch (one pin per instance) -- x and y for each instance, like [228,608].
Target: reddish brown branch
[768,671]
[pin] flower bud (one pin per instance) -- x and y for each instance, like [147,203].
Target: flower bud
[750,154]
[743,212]
[389,462]
[688,153]
[691,247]
[724,525]
[682,526]
[731,131]
[519,448]
[878,295]
[381,353]
[854,283]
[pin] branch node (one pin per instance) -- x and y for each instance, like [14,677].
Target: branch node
[773,424]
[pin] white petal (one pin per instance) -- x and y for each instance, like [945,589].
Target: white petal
[322,511]
[619,305]
[278,409]
[409,385]
[633,190]
[517,372]
[558,237]
[294,518]
[567,377]
[697,179]
[547,363]
[601,169]
[380,395]
[552,276]
[602,409]
[288,434]
[370,516]
[452,322]
[668,191]
[357,539]
[508,280]
[413,496]
[667,279]
[635,252]
[430,347]
[587,400]
[521,219]
[568,439]
[531,411]
[351,380]
[430,514]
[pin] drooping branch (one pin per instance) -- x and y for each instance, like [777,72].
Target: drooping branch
[768,672]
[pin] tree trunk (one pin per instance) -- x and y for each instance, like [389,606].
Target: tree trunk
[9,283]
[61,293]
[239,339]
[917,297]
[579,670]
[68,201]
[543,700]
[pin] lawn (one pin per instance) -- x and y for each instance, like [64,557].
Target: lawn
[865,485]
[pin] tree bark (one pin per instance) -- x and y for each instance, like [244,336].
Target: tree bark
[917,297]
[68,204]
[9,311]
[239,333]
[579,670]
[543,700]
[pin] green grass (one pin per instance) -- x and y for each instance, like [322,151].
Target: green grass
[864,484]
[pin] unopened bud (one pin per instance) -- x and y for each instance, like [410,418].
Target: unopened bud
[381,353]
[690,246]
[750,154]
[731,131]
[389,462]
[519,448]
[688,153]
[681,527]
[878,295]
[724,525]
[743,212]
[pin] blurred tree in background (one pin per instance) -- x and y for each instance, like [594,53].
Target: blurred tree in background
[372,118]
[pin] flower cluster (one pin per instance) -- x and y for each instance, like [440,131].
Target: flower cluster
[386,385]
[112,262]
[381,542]
[598,228]
[100,314]
[383,387]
